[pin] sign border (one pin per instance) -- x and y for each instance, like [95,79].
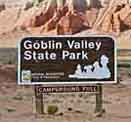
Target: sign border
[66,82]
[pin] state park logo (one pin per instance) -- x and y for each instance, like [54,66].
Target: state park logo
[94,71]
[67,60]
[26,76]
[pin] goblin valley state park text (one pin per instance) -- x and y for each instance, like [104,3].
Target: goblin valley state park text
[46,50]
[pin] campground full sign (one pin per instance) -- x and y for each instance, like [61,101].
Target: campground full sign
[67,60]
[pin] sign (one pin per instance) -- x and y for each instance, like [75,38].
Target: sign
[67,60]
[59,89]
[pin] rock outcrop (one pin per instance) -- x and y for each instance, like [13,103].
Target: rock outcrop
[2,7]
[117,19]
[72,16]
[52,23]
[70,24]
[58,14]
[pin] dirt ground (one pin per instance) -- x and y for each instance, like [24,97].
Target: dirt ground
[17,102]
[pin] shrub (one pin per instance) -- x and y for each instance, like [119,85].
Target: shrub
[52,109]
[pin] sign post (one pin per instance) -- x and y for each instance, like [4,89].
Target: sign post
[67,64]
[99,101]
[38,101]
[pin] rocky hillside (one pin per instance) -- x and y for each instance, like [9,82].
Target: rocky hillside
[63,17]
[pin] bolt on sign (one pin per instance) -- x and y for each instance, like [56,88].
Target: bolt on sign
[67,60]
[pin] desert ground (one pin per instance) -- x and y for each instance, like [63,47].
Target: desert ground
[17,102]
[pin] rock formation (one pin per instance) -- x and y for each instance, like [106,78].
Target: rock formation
[72,16]
[2,7]
[70,24]
[66,16]
[118,19]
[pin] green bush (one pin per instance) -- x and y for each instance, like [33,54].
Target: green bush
[52,109]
